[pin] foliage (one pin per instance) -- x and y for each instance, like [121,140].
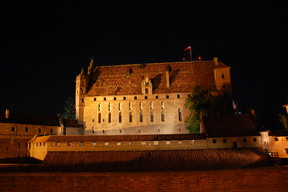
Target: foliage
[201,101]
[283,121]
[69,109]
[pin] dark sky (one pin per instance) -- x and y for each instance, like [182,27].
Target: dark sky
[45,44]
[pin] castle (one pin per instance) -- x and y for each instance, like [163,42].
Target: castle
[143,98]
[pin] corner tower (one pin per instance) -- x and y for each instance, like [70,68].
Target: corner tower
[80,91]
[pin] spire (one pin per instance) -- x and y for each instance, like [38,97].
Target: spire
[91,65]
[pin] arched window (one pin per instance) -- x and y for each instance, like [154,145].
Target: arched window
[130,105]
[99,117]
[99,106]
[130,117]
[162,104]
[119,106]
[140,105]
[179,114]
[109,117]
[151,105]
[120,117]
[162,116]
[51,130]
[109,106]
[151,116]
[141,116]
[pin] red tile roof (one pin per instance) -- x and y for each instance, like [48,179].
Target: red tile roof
[126,79]
[229,126]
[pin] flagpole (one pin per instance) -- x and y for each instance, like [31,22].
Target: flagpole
[190,53]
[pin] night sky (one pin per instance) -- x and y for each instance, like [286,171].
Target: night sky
[45,44]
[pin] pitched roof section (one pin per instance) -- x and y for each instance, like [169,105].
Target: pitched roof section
[229,126]
[32,119]
[127,79]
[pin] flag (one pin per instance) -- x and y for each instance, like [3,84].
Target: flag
[187,55]
[187,48]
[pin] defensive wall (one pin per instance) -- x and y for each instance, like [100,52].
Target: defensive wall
[42,145]
[257,180]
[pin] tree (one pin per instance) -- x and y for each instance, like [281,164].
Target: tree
[201,101]
[69,109]
[283,121]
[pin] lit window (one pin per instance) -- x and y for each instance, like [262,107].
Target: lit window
[109,106]
[140,105]
[162,116]
[151,105]
[141,116]
[179,114]
[162,104]
[130,117]
[93,143]
[57,144]
[106,143]
[69,144]
[143,143]
[81,143]
[120,117]
[109,117]
[99,106]
[156,142]
[118,143]
[130,105]
[167,142]
[151,116]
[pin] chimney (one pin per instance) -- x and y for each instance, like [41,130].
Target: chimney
[216,61]
[167,77]
[7,114]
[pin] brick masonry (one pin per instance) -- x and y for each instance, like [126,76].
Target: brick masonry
[260,179]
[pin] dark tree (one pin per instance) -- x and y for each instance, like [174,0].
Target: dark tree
[69,109]
[201,101]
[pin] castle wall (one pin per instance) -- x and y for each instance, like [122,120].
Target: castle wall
[14,138]
[39,150]
[278,144]
[105,113]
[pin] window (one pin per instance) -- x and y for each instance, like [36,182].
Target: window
[162,104]
[156,97]
[130,105]
[167,96]
[82,100]
[135,98]
[109,117]
[254,139]
[179,114]
[51,130]
[178,96]
[120,117]
[114,98]
[130,117]
[95,99]
[214,141]
[124,98]
[286,149]
[109,106]
[93,143]
[118,143]
[140,105]
[81,143]
[104,98]
[156,142]
[146,97]
[119,106]
[13,129]
[39,130]
[162,116]
[106,143]
[222,76]
[224,141]
[143,143]
[99,106]
[167,142]
[244,140]
[69,144]
[26,129]
[151,116]
[151,105]
[276,139]
[99,117]
[57,144]
[141,116]
[146,90]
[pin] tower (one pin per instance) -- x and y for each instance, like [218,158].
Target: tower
[80,91]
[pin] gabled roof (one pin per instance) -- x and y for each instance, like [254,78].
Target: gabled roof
[107,138]
[229,125]
[31,119]
[127,79]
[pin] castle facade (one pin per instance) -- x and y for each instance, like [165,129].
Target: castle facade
[143,98]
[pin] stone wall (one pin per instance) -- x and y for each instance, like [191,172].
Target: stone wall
[259,179]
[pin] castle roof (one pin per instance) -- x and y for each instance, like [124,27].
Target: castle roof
[31,119]
[229,125]
[107,138]
[127,79]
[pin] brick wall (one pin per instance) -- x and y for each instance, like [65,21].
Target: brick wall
[260,179]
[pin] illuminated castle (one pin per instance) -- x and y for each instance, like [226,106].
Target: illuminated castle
[143,98]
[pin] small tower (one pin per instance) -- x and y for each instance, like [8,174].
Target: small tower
[80,91]
[146,86]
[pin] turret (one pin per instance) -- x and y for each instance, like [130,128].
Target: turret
[80,91]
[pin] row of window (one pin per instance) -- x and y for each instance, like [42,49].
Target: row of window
[141,116]
[151,106]
[225,140]
[14,129]
[135,97]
